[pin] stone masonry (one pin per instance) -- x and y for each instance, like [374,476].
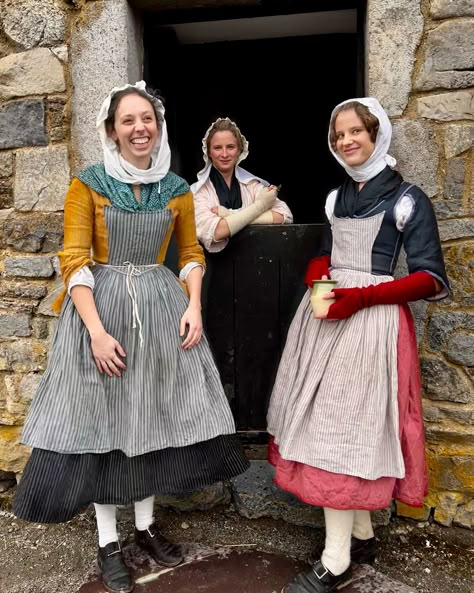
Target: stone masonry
[419,63]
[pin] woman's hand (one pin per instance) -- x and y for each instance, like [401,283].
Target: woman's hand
[328,295]
[192,320]
[221,211]
[104,349]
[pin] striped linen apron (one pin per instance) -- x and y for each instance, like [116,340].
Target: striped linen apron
[334,403]
[164,426]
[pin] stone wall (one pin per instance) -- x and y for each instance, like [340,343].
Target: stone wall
[58,59]
[420,63]
[34,176]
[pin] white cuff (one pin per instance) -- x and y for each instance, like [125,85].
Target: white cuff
[82,278]
[187,268]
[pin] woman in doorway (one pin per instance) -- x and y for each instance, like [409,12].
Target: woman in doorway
[345,413]
[228,198]
[131,404]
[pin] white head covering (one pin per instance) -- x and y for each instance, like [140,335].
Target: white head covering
[115,165]
[242,175]
[379,159]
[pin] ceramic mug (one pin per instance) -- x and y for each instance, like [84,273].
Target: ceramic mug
[320,306]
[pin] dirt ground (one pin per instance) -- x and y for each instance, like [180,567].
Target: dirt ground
[60,558]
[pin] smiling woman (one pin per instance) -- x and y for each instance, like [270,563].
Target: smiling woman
[135,129]
[227,197]
[131,403]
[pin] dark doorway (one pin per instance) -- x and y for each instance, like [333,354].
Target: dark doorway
[279,91]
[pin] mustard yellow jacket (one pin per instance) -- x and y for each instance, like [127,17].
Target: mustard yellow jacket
[85,232]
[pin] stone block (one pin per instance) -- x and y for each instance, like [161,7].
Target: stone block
[443,324]
[464,516]
[417,513]
[449,57]
[29,267]
[459,412]
[22,123]
[55,290]
[58,121]
[200,500]
[442,9]
[442,382]
[40,328]
[446,507]
[460,349]
[6,164]
[6,194]
[15,397]
[462,228]
[35,72]
[33,232]
[13,455]
[454,180]
[458,259]
[458,138]
[255,495]
[414,147]
[15,325]
[451,473]
[22,290]
[448,106]
[393,33]
[30,23]
[42,178]
[22,356]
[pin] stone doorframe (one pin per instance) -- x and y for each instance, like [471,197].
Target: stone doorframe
[107,50]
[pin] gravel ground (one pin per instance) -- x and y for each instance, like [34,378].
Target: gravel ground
[60,558]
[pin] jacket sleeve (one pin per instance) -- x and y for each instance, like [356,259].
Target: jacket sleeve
[78,230]
[189,250]
[422,244]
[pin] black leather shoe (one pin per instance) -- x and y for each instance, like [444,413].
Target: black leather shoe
[160,549]
[115,574]
[363,550]
[319,580]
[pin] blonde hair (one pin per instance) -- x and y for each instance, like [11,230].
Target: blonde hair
[225,125]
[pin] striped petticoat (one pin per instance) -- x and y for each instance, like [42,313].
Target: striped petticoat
[55,487]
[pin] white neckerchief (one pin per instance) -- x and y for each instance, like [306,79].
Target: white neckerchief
[379,159]
[115,165]
[243,176]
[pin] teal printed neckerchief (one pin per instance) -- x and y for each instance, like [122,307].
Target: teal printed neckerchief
[154,196]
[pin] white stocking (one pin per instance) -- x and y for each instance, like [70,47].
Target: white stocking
[106,523]
[336,556]
[362,528]
[144,513]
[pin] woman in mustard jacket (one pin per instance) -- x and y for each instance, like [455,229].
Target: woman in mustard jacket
[131,403]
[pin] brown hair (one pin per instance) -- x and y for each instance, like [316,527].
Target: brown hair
[114,103]
[225,125]
[371,123]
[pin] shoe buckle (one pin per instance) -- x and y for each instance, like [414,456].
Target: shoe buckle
[150,533]
[116,551]
[320,575]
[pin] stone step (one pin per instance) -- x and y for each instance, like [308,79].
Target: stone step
[255,495]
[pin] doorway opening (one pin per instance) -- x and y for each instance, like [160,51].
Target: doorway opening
[277,75]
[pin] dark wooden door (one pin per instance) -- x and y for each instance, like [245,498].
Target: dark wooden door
[251,291]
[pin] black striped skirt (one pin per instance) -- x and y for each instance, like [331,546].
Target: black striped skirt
[55,486]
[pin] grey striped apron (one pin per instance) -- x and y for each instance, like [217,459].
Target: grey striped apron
[334,404]
[167,397]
